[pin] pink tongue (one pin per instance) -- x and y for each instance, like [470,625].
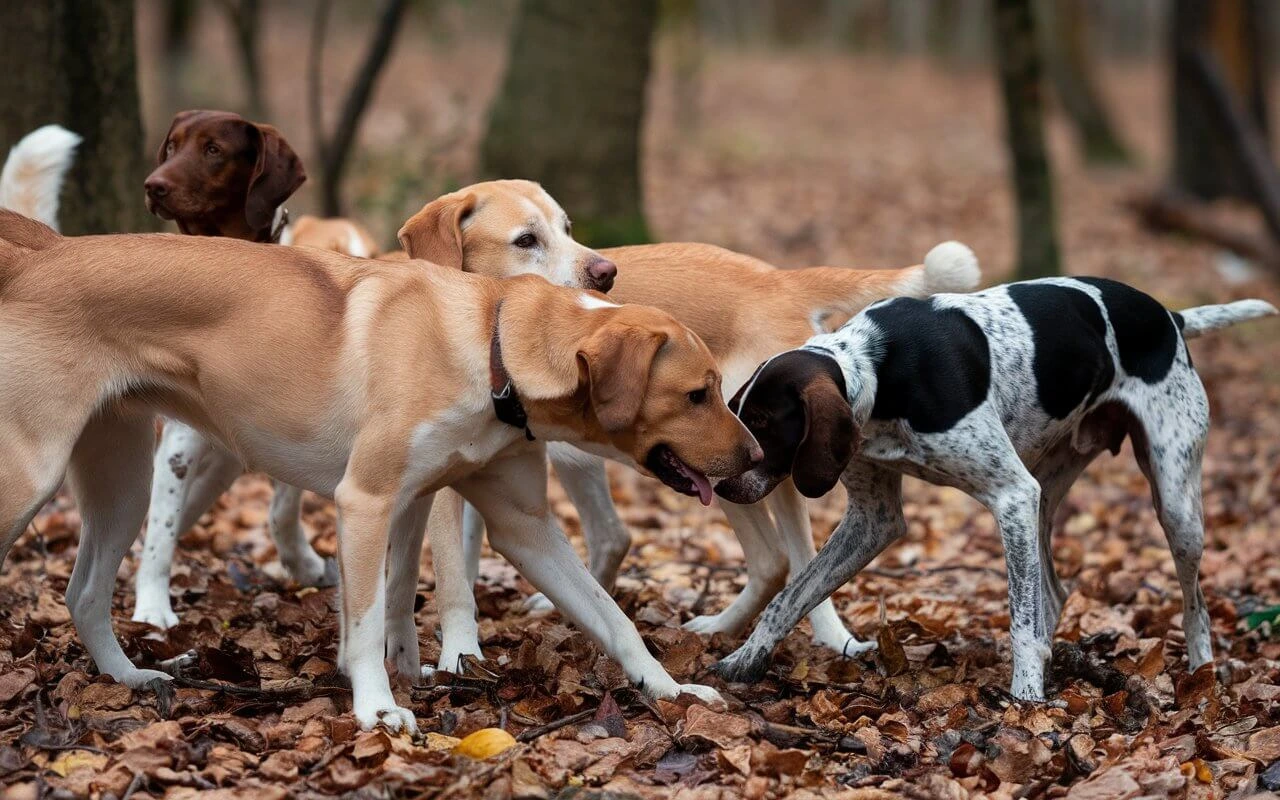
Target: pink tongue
[700,482]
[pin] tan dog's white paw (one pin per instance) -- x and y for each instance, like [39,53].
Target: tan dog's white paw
[161,617]
[538,604]
[389,715]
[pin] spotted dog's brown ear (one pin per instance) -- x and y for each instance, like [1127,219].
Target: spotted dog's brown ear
[276,175]
[829,437]
[616,360]
[435,233]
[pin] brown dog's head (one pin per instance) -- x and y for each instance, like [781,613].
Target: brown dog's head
[655,390]
[795,406]
[218,174]
[503,229]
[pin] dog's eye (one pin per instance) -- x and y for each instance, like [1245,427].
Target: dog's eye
[568,227]
[698,396]
[212,150]
[525,241]
[168,149]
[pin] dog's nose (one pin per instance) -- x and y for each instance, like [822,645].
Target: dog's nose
[602,272]
[755,454]
[156,187]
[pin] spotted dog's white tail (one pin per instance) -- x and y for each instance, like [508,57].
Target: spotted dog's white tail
[32,176]
[950,267]
[1203,319]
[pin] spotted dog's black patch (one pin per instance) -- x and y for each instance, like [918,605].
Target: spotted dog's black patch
[1146,336]
[1071,361]
[935,367]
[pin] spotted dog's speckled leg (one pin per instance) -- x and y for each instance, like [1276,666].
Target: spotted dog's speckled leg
[871,523]
[1174,417]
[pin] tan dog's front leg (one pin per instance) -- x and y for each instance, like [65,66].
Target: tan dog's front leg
[511,493]
[365,514]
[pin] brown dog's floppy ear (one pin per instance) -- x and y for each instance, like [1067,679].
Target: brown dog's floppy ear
[435,233]
[617,359]
[162,153]
[828,438]
[277,174]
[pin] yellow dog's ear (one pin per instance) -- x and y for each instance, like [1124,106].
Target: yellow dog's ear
[616,361]
[435,233]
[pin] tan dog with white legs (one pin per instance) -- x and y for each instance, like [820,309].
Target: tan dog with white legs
[367,381]
[191,471]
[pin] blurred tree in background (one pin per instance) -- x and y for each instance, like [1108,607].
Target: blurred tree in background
[1068,50]
[72,62]
[570,108]
[1021,84]
[1228,34]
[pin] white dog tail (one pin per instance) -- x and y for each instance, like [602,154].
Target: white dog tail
[1203,319]
[834,293]
[32,177]
[950,267]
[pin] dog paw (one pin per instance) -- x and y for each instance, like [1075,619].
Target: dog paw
[852,647]
[738,667]
[708,624]
[705,694]
[451,656]
[538,604]
[157,616]
[139,678]
[389,715]
[309,569]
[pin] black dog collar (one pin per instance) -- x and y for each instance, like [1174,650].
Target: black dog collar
[506,401]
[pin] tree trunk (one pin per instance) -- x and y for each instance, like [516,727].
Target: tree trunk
[73,62]
[1018,59]
[1071,67]
[1204,164]
[570,109]
[179,18]
[245,18]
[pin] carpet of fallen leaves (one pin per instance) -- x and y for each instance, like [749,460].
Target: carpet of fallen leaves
[800,158]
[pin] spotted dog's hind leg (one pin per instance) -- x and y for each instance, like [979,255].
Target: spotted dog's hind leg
[404,558]
[189,472]
[872,521]
[1056,473]
[1169,445]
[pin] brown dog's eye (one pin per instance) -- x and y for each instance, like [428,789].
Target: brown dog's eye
[525,241]
[212,150]
[168,149]
[698,396]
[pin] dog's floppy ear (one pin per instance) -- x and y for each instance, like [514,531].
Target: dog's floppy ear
[617,359]
[163,152]
[277,174]
[829,438]
[435,233]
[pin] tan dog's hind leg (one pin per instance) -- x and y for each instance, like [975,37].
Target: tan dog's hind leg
[109,475]
[766,570]
[455,596]
[792,517]
[511,493]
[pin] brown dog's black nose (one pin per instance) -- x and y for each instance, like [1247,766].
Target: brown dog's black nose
[156,187]
[602,272]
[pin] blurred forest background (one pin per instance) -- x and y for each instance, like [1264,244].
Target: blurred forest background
[1125,138]
[803,131]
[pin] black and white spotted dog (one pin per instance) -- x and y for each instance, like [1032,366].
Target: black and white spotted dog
[1006,394]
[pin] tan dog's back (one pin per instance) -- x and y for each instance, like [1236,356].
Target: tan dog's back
[337,234]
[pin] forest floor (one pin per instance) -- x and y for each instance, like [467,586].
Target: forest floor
[801,159]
